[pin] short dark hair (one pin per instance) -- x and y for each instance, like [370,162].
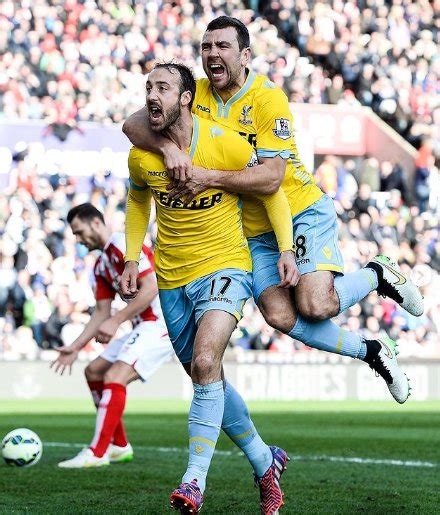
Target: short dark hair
[85,212]
[222,22]
[187,80]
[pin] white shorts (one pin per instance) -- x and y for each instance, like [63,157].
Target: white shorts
[145,348]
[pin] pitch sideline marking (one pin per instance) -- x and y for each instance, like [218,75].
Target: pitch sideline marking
[342,459]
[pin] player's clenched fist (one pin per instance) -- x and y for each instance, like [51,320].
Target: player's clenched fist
[177,163]
[107,330]
[129,279]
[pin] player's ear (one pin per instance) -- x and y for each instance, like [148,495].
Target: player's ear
[185,98]
[96,222]
[245,56]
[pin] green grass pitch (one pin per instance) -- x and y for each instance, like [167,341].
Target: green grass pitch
[401,442]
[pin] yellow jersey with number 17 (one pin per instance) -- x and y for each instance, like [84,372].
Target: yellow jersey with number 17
[196,238]
[260,113]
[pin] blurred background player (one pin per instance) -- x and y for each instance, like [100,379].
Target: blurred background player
[202,265]
[135,355]
[234,96]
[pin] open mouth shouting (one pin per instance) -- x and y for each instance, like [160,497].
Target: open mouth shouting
[217,71]
[154,113]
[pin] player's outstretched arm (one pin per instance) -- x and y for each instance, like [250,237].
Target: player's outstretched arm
[147,292]
[69,353]
[138,131]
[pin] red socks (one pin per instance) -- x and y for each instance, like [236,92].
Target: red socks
[96,388]
[110,401]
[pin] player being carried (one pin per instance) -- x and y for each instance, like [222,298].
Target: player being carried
[203,269]
[137,355]
[256,108]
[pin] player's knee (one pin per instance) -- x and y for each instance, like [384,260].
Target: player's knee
[109,376]
[280,320]
[204,366]
[92,373]
[113,375]
[87,372]
[315,308]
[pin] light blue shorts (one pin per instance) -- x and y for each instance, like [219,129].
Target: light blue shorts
[225,290]
[315,234]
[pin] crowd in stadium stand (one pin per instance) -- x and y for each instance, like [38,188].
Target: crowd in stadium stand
[45,292]
[67,61]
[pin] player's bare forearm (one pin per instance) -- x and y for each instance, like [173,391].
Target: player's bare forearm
[137,130]
[147,292]
[264,178]
[101,313]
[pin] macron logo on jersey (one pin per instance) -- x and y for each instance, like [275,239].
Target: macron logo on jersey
[157,174]
[203,108]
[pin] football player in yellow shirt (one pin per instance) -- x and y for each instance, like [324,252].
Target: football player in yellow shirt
[202,264]
[236,97]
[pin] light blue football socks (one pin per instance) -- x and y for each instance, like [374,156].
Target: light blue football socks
[204,422]
[326,335]
[354,287]
[238,425]
[216,405]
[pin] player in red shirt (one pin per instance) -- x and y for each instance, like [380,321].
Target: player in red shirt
[136,355]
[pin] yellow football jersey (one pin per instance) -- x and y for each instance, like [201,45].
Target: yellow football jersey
[200,237]
[260,112]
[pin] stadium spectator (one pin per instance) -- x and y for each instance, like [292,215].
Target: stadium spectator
[392,178]
[327,176]
[19,292]
[370,174]
[60,317]
[37,311]
[424,163]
